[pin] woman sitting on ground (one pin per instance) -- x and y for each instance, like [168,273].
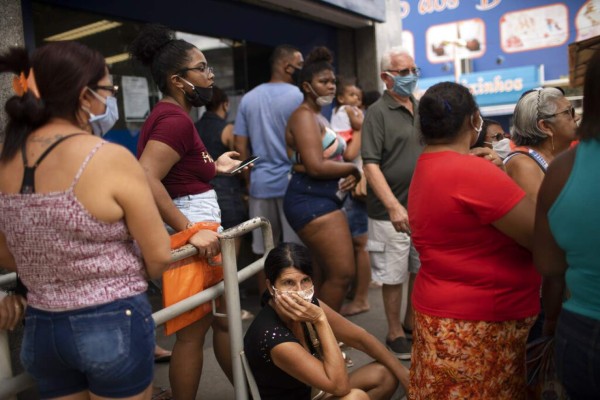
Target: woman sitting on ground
[292,345]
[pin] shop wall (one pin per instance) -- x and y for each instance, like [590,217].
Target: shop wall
[11,34]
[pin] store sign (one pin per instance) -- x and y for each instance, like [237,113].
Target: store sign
[502,86]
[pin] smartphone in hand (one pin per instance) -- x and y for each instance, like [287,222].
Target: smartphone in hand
[243,164]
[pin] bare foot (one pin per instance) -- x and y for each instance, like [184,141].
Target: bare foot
[352,308]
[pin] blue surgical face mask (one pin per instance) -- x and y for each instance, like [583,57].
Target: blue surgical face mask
[102,123]
[404,85]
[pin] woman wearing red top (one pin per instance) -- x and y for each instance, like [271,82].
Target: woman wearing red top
[476,295]
[179,169]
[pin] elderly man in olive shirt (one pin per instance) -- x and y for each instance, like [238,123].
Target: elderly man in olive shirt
[390,148]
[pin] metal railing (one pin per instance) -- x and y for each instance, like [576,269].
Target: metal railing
[10,386]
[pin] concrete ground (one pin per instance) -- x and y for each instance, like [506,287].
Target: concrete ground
[215,386]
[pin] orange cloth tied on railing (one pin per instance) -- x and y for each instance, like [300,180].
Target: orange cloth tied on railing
[189,276]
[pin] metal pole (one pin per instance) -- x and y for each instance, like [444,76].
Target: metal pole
[8,279]
[234,318]
[5,367]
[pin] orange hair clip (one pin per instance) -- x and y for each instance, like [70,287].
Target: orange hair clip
[20,84]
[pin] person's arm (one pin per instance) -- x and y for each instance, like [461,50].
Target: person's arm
[306,134]
[549,259]
[330,374]
[227,137]
[132,193]
[488,154]
[397,212]
[356,117]
[241,144]
[353,148]
[7,260]
[518,222]
[12,309]
[157,160]
[527,174]
[358,338]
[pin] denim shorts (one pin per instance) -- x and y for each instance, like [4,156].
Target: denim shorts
[106,349]
[307,198]
[356,211]
[577,346]
[231,201]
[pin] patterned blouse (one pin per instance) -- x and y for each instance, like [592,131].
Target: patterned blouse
[66,257]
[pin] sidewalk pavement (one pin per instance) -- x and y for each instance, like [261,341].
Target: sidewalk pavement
[214,384]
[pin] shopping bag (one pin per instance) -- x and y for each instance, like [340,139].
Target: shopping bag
[542,380]
[189,276]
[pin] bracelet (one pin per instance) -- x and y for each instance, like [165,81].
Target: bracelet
[189,225]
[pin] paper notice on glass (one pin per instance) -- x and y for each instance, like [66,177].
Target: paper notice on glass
[136,101]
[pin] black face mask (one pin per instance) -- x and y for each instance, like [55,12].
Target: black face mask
[296,75]
[200,96]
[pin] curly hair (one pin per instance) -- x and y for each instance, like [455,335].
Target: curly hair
[156,47]
[318,60]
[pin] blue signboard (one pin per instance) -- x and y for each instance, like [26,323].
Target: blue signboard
[501,86]
[496,34]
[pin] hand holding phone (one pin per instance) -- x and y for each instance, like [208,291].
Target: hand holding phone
[244,164]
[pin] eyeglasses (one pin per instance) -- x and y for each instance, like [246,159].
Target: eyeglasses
[205,69]
[113,89]
[497,137]
[569,110]
[406,71]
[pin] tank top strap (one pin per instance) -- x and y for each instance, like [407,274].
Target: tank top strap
[28,183]
[85,163]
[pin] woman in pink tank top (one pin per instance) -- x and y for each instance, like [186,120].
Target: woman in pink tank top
[79,224]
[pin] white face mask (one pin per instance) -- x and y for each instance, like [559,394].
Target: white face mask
[306,294]
[502,147]
[322,100]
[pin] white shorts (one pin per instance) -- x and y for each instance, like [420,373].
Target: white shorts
[392,253]
[271,209]
[199,207]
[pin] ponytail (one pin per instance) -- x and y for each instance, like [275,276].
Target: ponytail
[26,111]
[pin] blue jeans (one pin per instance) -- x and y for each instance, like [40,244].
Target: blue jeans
[106,349]
[577,344]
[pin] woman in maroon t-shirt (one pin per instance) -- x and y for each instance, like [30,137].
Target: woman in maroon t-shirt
[179,169]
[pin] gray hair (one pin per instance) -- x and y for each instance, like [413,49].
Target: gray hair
[533,106]
[386,58]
